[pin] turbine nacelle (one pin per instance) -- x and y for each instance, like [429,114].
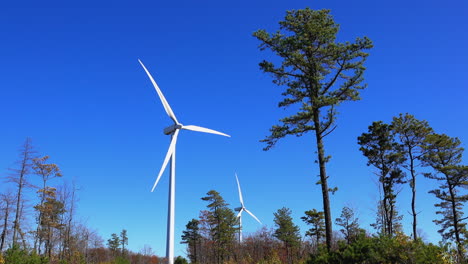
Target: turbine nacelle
[238,209]
[171,129]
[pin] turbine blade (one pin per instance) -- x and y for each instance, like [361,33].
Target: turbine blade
[253,216]
[240,192]
[168,156]
[166,105]
[205,130]
[240,212]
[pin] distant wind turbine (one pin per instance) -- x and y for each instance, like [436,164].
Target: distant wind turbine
[241,209]
[174,132]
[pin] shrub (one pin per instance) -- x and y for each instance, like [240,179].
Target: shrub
[20,256]
[382,249]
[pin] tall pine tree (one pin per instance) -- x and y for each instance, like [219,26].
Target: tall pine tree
[222,221]
[319,74]
[384,153]
[411,134]
[444,155]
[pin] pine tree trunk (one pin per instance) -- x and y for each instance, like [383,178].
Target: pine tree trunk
[413,197]
[323,178]
[456,228]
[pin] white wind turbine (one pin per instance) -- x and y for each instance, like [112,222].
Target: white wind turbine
[241,209]
[174,132]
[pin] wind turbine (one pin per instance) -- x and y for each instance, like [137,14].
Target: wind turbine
[172,130]
[241,209]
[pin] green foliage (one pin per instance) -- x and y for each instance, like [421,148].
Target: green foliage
[441,150]
[114,242]
[319,74]
[444,154]
[222,221]
[191,236]
[385,154]
[383,249]
[349,224]
[123,240]
[411,134]
[121,260]
[315,219]
[287,232]
[20,256]
[180,260]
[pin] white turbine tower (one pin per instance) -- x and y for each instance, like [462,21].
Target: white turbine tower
[241,209]
[174,132]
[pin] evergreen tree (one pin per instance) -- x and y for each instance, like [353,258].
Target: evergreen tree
[222,221]
[287,232]
[191,236]
[381,220]
[349,224]
[385,154]
[444,155]
[319,74]
[123,240]
[411,133]
[317,221]
[113,243]
[180,260]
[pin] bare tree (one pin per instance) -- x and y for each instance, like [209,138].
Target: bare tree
[6,202]
[18,177]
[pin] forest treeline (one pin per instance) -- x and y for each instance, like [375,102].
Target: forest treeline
[401,152]
[38,222]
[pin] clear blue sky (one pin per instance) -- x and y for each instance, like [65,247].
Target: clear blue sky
[70,80]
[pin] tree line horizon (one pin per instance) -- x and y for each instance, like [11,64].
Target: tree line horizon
[318,74]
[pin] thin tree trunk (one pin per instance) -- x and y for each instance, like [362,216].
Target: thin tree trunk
[390,216]
[456,229]
[413,197]
[323,178]
[39,218]
[5,224]
[70,222]
[16,223]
